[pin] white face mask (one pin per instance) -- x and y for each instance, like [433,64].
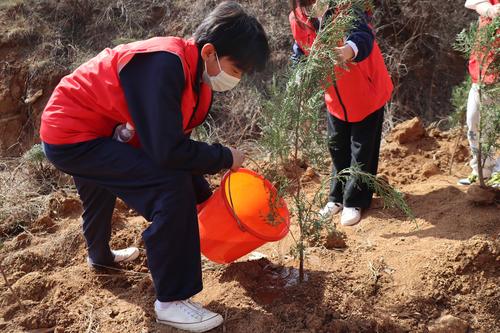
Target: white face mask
[220,82]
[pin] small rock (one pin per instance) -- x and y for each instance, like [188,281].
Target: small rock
[335,240]
[481,196]
[435,133]
[65,207]
[309,175]
[44,223]
[409,131]
[22,239]
[449,324]
[71,207]
[430,169]
[113,313]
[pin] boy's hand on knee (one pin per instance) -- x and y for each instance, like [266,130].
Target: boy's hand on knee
[238,159]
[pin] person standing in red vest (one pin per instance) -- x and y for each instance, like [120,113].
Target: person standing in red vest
[120,124]
[355,104]
[488,10]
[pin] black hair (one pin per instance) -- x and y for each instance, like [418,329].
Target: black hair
[294,4]
[235,34]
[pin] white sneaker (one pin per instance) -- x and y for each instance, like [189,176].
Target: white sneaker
[186,315]
[350,216]
[468,181]
[126,255]
[330,209]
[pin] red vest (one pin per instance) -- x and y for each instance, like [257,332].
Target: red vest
[359,91]
[90,102]
[476,58]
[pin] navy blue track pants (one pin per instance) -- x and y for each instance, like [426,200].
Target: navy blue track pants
[353,144]
[104,169]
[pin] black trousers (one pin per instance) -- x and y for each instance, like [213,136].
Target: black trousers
[104,169]
[353,144]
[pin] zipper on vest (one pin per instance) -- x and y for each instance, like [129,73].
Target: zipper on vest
[197,88]
[209,108]
[341,102]
[188,127]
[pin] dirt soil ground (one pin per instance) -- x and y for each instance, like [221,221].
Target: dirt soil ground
[394,275]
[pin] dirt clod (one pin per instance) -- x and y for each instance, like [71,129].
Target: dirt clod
[430,169]
[21,241]
[309,175]
[449,324]
[481,196]
[408,131]
[335,240]
[65,207]
[44,224]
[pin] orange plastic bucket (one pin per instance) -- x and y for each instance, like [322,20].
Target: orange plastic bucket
[244,213]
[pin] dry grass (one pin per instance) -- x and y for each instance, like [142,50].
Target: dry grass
[24,193]
[19,204]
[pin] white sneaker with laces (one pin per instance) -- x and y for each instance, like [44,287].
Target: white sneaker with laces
[350,216]
[126,255]
[186,315]
[330,209]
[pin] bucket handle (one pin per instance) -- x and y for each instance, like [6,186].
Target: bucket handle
[231,205]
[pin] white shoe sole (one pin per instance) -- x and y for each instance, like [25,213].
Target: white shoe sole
[98,266]
[464,183]
[131,257]
[205,326]
[350,223]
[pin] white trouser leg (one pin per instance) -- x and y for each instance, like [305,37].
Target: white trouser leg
[473,123]
[497,165]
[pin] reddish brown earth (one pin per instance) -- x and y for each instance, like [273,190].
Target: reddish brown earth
[394,275]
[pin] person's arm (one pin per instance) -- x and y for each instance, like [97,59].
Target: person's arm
[361,39]
[483,8]
[202,189]
[359,42]
[153,84]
